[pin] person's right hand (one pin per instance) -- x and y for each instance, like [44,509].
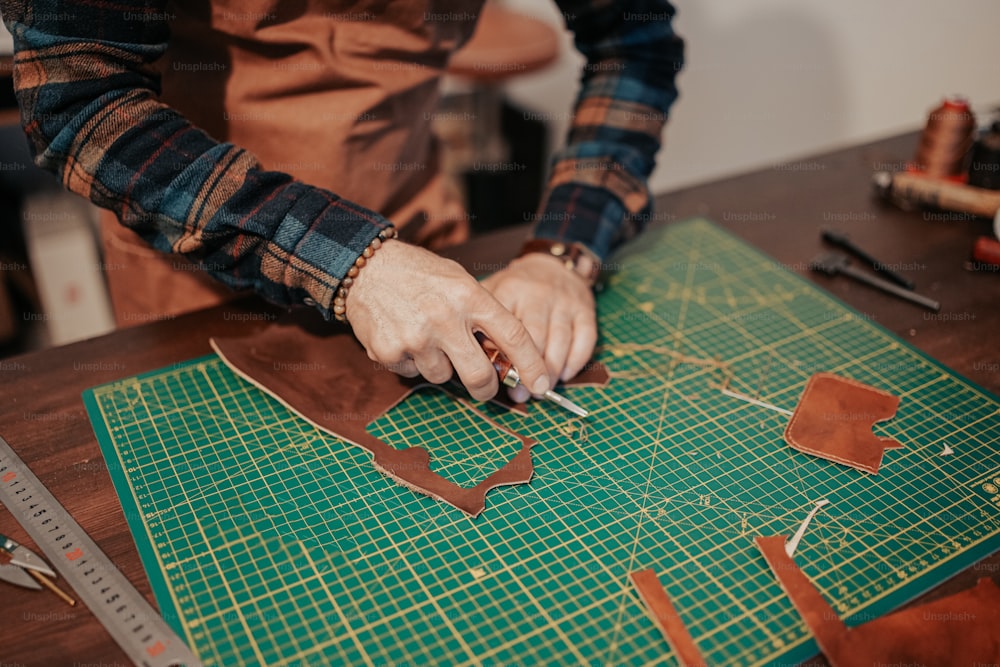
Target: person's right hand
[417,313]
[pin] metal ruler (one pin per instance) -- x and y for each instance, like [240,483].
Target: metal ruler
[129,619]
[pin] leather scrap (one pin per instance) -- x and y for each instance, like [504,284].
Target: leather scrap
[834,418]
[323,374]
[960,629]
[651,592]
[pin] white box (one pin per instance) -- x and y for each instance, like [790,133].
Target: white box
[59,229]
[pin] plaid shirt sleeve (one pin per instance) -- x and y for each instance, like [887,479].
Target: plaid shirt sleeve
[88,96]
[597,192]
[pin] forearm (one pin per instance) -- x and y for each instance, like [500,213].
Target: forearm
[597,192]
[88,95]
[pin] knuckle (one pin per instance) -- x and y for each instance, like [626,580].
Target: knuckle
[483,393]
[415,340]
[479,378]
[517,335]
[382,351]
[467,291]
[436,376]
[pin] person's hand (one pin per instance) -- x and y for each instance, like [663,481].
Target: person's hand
[417,313]
[556,306]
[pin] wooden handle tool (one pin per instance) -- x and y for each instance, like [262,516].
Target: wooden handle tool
[508,374]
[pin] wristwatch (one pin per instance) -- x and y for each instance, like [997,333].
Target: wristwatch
[575,256]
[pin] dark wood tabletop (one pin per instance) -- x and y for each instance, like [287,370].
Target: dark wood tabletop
[779,209]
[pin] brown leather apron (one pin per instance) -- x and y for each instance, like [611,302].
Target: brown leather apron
[337,94]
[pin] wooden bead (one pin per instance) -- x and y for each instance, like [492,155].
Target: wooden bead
[340,298]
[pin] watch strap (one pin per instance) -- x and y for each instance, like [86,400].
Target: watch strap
[575,256]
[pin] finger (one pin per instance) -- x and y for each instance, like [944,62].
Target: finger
[537,326]
[557,346]
[514,340]
[407,368]
[434,366]
[490,281]
[391,358]
[519,394]
[582,347]
[472,366]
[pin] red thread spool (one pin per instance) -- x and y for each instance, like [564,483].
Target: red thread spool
[946,140]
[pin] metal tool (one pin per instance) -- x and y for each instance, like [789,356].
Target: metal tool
[129,619]
[509,377]
[22,559]
[28,570]
[843,241]
[833,263]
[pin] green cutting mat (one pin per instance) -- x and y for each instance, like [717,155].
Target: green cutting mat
[267,541]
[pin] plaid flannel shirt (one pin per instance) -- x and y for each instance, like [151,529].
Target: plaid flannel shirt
[88,91]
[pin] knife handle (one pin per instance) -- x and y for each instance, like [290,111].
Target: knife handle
[501,364]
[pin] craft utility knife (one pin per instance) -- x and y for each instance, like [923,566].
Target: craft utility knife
[509,377]
[22,559]
[833,263]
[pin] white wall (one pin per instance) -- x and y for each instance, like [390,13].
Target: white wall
[772,80]
[6,41]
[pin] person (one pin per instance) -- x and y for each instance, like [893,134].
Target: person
[275,144]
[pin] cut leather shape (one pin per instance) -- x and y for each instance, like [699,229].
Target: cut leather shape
[834,420]
[651,592]
[956,630]
[325,376]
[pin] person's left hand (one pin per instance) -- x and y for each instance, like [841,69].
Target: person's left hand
[557,308]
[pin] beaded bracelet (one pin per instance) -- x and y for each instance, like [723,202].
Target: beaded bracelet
[340,300]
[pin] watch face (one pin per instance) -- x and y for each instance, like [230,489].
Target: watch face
[575,256]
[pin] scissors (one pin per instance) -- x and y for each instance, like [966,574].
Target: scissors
[27,570]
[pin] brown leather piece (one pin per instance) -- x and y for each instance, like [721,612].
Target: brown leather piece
[834,420]
[323,374]
[651,592]
[960,629]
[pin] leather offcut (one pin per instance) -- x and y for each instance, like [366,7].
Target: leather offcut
[834,418]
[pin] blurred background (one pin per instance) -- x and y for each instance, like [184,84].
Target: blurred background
[765,84]
[774,80]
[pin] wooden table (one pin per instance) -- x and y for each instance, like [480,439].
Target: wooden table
[778,209]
